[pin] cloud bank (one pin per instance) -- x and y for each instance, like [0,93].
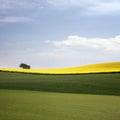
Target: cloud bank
[73,51]
[74,41]
[76,50]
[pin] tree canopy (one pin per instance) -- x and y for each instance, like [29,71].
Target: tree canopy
[24,66]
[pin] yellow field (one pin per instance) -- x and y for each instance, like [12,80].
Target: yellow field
[92,68]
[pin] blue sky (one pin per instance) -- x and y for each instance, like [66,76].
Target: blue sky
[59,33]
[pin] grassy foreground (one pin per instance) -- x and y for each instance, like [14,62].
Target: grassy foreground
[29,105]
[53,97]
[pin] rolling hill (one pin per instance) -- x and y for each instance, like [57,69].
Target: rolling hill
[92,68]
[61,97]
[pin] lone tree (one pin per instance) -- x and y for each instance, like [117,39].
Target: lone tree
[24,66]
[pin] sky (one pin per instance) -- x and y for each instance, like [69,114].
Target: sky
[59,33]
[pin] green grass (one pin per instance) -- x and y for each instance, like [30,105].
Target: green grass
[29,105]
[59,97]
[101,84]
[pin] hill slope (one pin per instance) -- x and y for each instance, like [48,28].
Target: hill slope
[92,68]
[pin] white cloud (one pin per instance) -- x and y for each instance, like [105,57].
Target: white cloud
[76,50]
[104,44]
[73,51]
[14,19]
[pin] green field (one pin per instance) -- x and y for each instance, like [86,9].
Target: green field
[104,84]
[59,97]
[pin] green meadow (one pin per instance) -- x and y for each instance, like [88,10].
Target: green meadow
[59,97]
